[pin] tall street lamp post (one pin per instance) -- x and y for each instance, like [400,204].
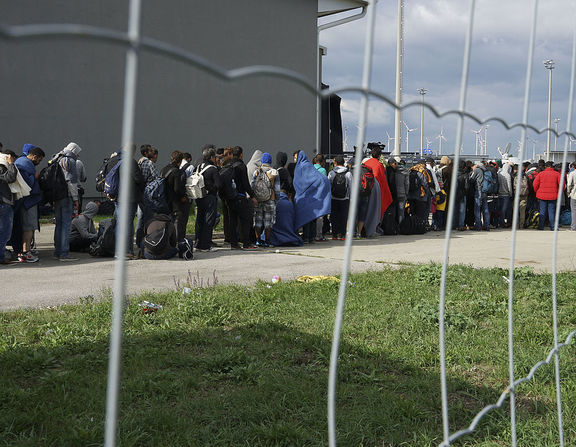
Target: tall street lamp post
[422,92]
[549,64]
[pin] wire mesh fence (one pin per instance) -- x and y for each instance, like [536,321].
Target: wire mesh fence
[136,43]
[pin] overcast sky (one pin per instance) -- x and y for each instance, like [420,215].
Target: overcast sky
[434,37]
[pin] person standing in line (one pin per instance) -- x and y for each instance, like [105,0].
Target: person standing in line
[207,206]
[8,173]
[571,190]
[546,185]
[149,173]
[341,185]
[28,206]
[175,189]
[65,208]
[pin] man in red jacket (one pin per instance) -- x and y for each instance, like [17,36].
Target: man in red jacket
[546,186]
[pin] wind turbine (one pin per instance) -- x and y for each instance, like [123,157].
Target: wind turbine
[505,154]
[408,130]
[441,137]
[534,142]
[477,139]
[389,139]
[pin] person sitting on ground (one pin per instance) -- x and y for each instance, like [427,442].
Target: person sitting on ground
[159,241]
[266,189]
[82,229]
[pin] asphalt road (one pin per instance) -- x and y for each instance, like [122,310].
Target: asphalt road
[50,282]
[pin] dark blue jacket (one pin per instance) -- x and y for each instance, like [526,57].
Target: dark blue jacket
[28,171]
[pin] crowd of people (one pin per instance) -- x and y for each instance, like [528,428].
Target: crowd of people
[265,203]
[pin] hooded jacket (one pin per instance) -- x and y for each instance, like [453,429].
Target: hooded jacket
[505,181]
[571,185]
[28,171]
[313,193]
[347,175]
[285,177]
[68,157]
[82,226]
[253,163]
[8,173]
[546,184]
[477,177]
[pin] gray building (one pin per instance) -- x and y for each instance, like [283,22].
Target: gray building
[59,90]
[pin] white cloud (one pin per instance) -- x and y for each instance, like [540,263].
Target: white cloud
[435,32]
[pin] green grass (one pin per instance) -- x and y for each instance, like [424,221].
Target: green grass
[248,366]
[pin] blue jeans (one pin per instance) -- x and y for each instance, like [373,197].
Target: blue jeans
[504,207]
[6,218]
[206,209]
[547,208]
[462,212]
[481,211]
[131,215]
[63,210]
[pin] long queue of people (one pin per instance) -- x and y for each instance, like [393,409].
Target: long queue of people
[263,203]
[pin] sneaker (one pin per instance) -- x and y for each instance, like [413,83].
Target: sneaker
[67,258]
[320,239]
[341,238]
[27,257]
[249,248]
[235,247]
[334,238]
[207,250]
[357,236]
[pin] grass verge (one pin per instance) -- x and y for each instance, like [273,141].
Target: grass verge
[247,366]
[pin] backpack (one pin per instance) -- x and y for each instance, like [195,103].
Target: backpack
[227,189]
[105,245]
[52,181]
[101,176]
[339,185]
[490,183]
[414,187]
[112,181]
[263,186]
[532,219]
[195,184]
[412,224]
[155,196]
[157,242]
[389,226]
[366,181]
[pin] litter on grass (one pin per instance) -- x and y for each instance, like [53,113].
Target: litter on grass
[149,308]
[308,278]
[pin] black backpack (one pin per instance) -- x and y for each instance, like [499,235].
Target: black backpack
[389,226]
[101,176]
[412,224]
[339,185]
[52,181]
[105,245]
[414,184]
[366,181]
[227,189]
[158,242]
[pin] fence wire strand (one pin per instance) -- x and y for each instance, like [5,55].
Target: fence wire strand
[135,43]
[350,227]
[115,359]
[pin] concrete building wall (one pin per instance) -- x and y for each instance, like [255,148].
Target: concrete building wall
[60,90]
